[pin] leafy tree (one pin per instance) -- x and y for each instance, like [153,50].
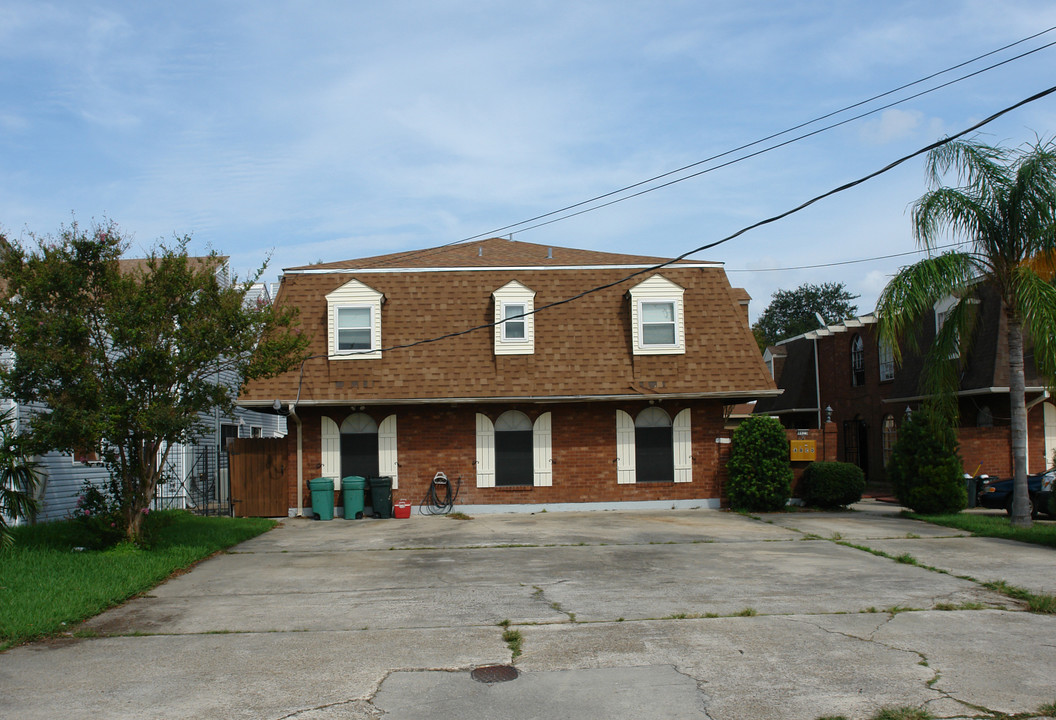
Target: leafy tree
[126,356]
[925,468]
[792,312]
[1005,209]
[759,466]
[18,479]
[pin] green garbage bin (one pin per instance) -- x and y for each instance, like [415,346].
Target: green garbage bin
[352,491]
[322,497]
[381,496]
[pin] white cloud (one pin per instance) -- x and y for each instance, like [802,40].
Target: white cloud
[893,124]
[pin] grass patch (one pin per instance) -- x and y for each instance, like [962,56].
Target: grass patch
[46,585]
[459,516]
[1041,603]
[514,640]
[996,526]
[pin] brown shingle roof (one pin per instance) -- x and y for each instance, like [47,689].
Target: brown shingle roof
[582,348]
[493,252]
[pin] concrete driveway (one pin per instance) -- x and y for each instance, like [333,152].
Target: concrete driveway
[665,614]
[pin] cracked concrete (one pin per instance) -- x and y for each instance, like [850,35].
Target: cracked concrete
[322,621]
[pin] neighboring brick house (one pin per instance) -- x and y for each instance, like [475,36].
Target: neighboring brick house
[843,367]
[615,396]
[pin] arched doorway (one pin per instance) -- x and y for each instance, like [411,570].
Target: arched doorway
[654,450]
[359,446]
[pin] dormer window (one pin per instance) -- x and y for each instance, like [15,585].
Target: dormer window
[354,322]
[657,317]
[514,319]
[354,328]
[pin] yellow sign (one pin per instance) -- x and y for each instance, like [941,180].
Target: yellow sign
[803,451]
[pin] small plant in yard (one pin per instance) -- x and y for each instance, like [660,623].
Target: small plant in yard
[99,514]
[925,468]
[832,484]
[19,477]
[514,640]
[759,468]
[459,516]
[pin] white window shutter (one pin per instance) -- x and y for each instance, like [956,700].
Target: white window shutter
[625,471]
[683,438]
[387,464]
[331,447]
[485,452]
[542,452]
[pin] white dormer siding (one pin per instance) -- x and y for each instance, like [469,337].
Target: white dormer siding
[353,321]
[514,318]
[658,317]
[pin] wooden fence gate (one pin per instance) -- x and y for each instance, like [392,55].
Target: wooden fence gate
[258,477]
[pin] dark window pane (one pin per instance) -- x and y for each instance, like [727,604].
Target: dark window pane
[513,458]
[654,454]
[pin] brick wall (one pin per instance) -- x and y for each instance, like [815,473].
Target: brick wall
[825,441]
[433,438]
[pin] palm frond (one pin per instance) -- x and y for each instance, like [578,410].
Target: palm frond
[981,169]
[912,293]
[1035,303]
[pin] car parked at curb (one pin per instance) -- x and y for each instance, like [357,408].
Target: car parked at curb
[996,493]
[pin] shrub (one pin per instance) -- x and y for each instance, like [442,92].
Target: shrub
[832,484]
[759,468]
[925,468]
[100,517]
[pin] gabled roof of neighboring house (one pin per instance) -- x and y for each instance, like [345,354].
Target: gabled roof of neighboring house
[582,348]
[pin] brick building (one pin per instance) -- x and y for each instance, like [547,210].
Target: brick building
[616,396]
[843,368]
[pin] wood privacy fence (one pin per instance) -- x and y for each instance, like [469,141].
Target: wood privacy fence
[258,477]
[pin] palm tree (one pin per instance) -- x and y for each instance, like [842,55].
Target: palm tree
[19,477]
[1004,208]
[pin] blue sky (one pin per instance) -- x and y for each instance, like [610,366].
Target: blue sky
[333,130]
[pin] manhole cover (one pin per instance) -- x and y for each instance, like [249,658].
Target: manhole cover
[494,673]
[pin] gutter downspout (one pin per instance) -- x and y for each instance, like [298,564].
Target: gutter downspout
[300,463]
[1026,439]
[817,381]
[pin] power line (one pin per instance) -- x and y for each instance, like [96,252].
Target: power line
[747,228]
[784,143]
[847,262]
[425,252]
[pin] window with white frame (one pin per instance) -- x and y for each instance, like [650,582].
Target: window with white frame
[857,361]
[354,322]
[514,319]
[653,447]
[513,326]
[514,451]
[657,317]
[355,328]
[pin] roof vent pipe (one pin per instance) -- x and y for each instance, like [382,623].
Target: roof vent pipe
[549,253]
[480,251]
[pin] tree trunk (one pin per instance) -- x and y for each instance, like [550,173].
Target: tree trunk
[1018,402]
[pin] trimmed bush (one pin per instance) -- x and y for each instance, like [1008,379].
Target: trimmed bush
[925,468]
[759,468]
[832,484]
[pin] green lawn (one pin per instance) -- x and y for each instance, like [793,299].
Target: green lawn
[998,526]
[47,585]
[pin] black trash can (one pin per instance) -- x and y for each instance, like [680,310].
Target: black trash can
[973,489]
[381,496]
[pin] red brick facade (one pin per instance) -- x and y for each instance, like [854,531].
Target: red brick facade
[443,438]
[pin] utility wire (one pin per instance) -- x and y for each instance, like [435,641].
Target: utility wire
[782,144]
[492,233]
[747,228]
[716,243]
[847,262]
